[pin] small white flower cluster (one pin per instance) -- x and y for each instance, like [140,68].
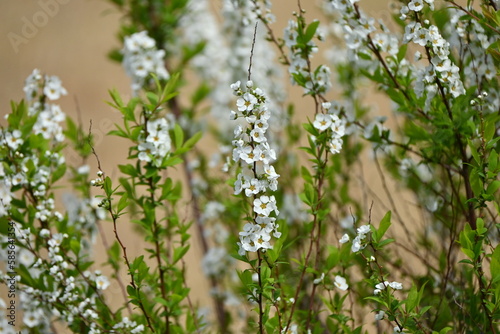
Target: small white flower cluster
[141,58]
[39,167]
[319,80]
[441,67]
[252,151]
[155,144]
[415,6]
[50,115]
[45,210]
[83,213]
[130,325]
[216,261]
[51,86]
[478,64]
[39,182]
[333,124]
[65,289]
[357,243]
[5,192]
[98,181]
[356,29]
[381,286]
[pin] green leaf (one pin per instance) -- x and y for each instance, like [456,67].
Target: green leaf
[469,253]
[473,151]
[122,203]
[493,187]
[178,136]
[58,173]
[107,186]
[246,277]
[385,223]
[412,300]
[179,252]
[495,264]
[75,246]
[333,258]
[161,301]
[128,170]
[132,292]
[306,175]
[116,98]
[445,330]
[189,144]
[493,161]
[310,31]
[202,92]
[489,129]
[152,98]
[402,52]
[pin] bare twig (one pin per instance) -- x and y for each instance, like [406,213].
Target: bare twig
[251,51]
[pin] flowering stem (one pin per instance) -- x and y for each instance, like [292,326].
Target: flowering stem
[161,270]
[117,274]
[132,280]
[217,301]
[261,311]
[471,14]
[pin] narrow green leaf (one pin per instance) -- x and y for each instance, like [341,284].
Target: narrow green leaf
[495,263]
[178,136]
[385,223]
[493,187]
[473,151]
[310,31]
[412,300]
[128,170]
[493,161]
[108,186]
[122,203]
[179,252]
[193,140]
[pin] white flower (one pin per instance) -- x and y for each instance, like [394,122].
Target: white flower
[319,279]
[340,282]
[379,315]
[13,140]
[363,229]
[83,170]
[145,151]
[264,205]
[247,102]
[357,244]
[138,329]
[293,329]
[344,239]
[235,86]
[322,122]
[258,135]
[416,5]
[102,282]
[33,318]
[140,57]
[396,285]
[335,145]
[53,88]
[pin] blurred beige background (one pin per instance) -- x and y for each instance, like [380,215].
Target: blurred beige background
[73,44]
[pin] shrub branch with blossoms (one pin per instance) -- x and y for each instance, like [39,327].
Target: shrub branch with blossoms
[330,248]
